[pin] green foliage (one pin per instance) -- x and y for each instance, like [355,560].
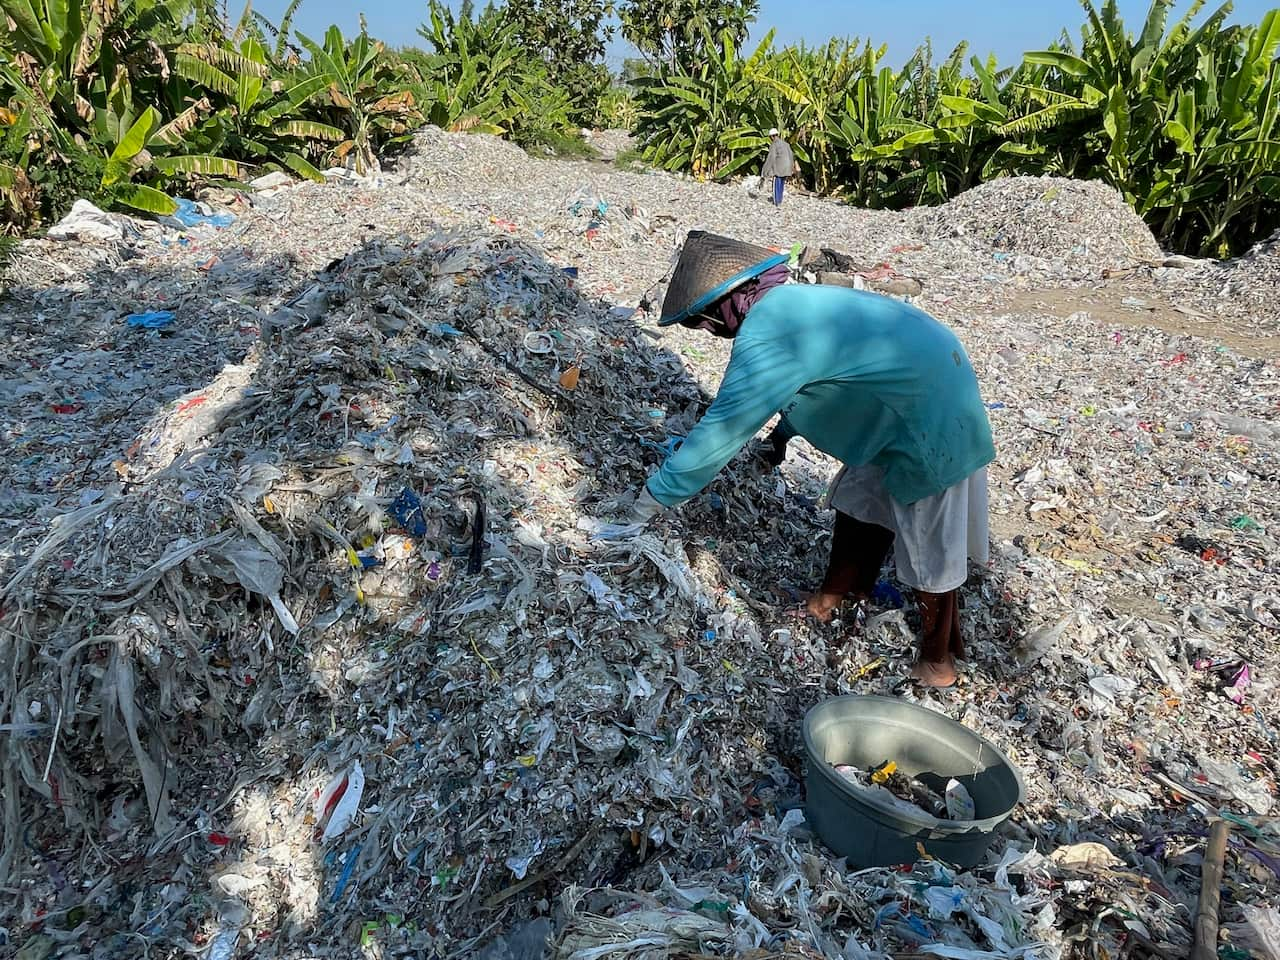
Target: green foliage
[8,248]
[32,194]
[369,96]
[1184,120]
[630,160]
[565,146]
[124,102]
[88,81]
[711,121]
[469,78]
[568,37]
[478,76]
[633,68]
[617,110]
[683,33]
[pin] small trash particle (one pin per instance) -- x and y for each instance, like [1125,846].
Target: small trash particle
[151,319]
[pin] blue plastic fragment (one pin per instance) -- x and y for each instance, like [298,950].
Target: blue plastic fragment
[367,438]
[150,319]
[887,912]
[188,214]
[919,927]
[445,330]
[407,509]
[887,595]
[347,869]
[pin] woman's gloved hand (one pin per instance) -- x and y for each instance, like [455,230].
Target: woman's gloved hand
[644,509]
[772,451]
[632,522]
[775,451]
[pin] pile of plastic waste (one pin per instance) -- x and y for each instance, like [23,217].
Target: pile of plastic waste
[310,646]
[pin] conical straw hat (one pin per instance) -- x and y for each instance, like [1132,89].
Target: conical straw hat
[711,266]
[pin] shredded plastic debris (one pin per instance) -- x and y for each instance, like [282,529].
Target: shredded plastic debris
[910,794]
[334,534]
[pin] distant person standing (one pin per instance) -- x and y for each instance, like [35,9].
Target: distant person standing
[779,164]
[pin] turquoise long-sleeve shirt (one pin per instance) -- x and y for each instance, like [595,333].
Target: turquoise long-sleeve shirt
[865,379]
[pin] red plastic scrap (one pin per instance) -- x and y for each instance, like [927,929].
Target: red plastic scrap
[330,805]
[880,272]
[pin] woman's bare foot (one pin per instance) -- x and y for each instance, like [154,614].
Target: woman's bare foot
[936,675]
[820,606]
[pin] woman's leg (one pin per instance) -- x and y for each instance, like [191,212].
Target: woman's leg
[940,641]
[857,553]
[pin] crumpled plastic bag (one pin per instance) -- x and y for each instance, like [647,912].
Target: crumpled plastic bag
[87,222]
[1260,931]
[259,572]
[603,530]
[192,214]
[1085,856]
[1253,794]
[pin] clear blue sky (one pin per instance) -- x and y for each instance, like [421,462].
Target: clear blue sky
[1004,27]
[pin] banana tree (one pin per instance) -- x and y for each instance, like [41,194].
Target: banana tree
[473,76]
[961,112]
[710,120]
[989,123]
[263,119]
[1124,85]
[141,141]
[1225,129]
[19,198]
[879,130]
[283,53]
[372,103]
[67,53]
[812,84]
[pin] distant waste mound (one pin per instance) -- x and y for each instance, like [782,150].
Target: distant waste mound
[1076,221]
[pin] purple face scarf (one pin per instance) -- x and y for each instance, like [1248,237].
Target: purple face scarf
[725,316]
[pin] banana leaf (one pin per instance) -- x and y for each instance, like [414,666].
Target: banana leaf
[203,166]
[147,199]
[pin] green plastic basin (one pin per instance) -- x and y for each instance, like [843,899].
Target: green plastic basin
[866,732]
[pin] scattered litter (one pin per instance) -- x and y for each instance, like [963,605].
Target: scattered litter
[339,802]
[191,214]
[271,181]
[151,319]
[86,222]
[244,561]
[909,794]
[1085,856]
